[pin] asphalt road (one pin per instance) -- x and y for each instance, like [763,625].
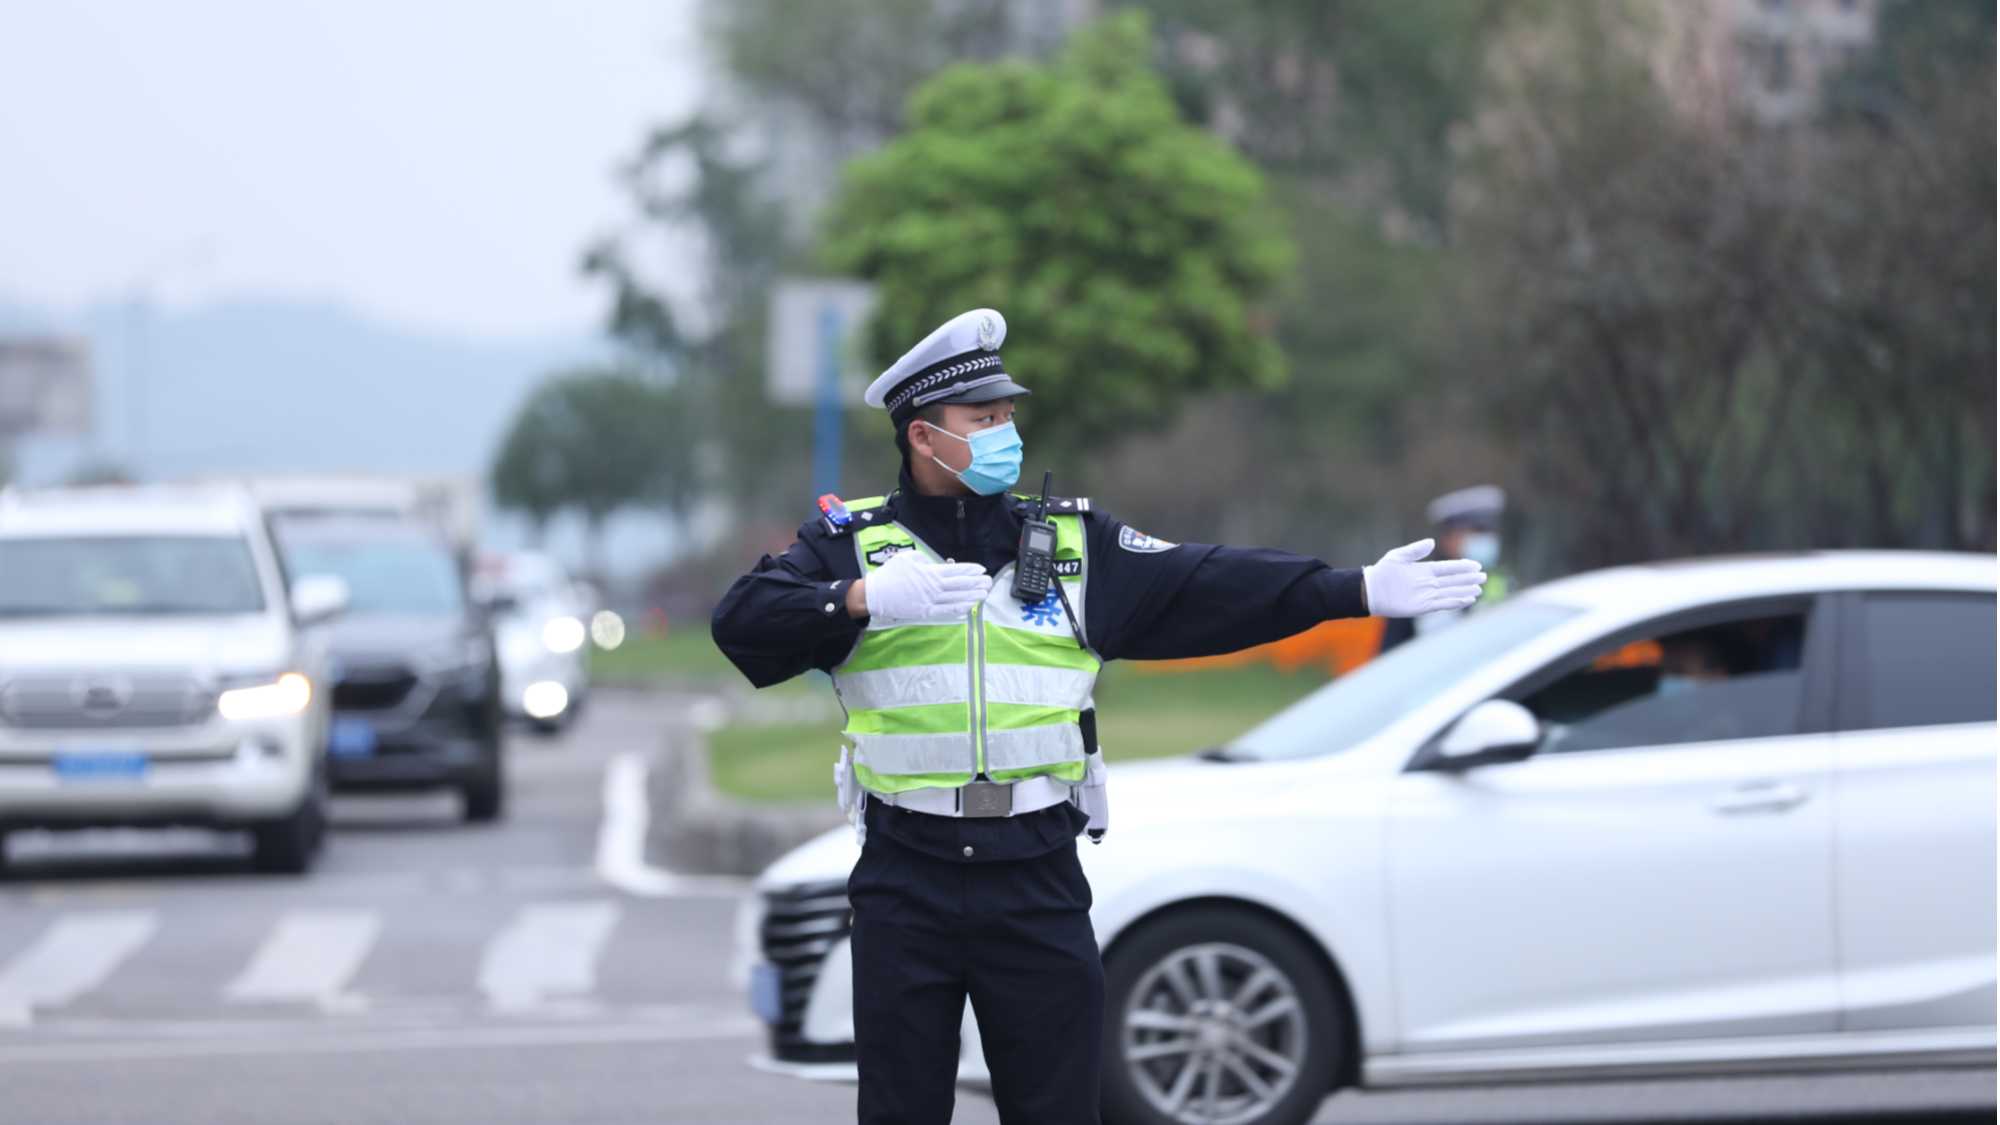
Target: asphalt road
[430,971]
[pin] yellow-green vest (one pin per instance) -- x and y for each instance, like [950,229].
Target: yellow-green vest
[997,690]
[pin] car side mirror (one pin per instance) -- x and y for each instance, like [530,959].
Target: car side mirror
[1496,731]
[316,597]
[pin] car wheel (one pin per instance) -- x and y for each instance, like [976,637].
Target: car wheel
[1218,1017]
[486,797]
[286,845]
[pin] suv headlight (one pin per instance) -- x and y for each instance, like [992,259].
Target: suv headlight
[563,634]
[287,696]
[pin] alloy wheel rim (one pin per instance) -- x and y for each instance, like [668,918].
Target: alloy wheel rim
[1214,1034]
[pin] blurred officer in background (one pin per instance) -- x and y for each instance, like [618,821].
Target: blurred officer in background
[1468,527]
[964,628]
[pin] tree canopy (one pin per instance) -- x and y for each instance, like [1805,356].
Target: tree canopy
[1129,251]
[595,442]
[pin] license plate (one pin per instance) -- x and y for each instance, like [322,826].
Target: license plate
[351,738]
[767,997]
[100,765]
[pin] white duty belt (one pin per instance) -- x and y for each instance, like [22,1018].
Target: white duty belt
[981,798]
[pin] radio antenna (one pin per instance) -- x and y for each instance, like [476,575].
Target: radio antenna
[1042,510]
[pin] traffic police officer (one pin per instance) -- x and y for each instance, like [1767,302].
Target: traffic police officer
[1468,527]
[972,764]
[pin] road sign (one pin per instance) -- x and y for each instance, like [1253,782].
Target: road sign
[814,320]
[44,385]
[815,359]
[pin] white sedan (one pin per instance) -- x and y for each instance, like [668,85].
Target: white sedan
[1680,818]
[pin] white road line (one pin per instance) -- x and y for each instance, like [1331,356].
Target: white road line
[309,955]
[72,956]
[317,1041]
[621,841]
[549,950]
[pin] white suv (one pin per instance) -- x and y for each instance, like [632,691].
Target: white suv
[154,672]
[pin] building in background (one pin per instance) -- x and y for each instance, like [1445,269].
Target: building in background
[1787,48]
[45,387]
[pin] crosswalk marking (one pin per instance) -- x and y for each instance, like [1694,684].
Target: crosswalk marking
[72,956]
[548,950]
[309,955]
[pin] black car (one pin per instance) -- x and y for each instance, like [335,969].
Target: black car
[416,697]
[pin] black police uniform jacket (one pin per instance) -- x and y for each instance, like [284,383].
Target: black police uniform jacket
[1147,600]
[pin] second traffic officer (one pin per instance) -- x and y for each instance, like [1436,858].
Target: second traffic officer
[964,629]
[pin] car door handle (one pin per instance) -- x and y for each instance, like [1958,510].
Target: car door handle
[1761,796]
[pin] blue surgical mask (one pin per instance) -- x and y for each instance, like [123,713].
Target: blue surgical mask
[996,458]
[1482,547]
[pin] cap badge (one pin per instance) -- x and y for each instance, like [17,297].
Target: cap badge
[989,333]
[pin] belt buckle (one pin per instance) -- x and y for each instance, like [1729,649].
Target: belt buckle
[986,798]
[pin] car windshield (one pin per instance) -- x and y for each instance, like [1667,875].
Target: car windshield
[128,575]
[1361,704]
[384,574]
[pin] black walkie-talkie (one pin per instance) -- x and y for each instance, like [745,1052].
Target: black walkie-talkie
[1035,562]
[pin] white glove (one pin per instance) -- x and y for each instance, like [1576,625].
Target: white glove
[911,585]
[1401,586]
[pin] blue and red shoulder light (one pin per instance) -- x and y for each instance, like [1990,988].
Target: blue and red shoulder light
[835,514]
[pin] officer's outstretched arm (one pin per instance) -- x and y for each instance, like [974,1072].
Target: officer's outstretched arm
[1165,601]
[788,615]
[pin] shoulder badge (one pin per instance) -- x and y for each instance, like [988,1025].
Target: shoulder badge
[1141,543]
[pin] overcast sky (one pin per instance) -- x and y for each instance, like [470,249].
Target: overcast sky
[436,164]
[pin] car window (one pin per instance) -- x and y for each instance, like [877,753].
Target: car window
[382,575]
[1361,704]
[128,575]
[1926,659]
[1726,680]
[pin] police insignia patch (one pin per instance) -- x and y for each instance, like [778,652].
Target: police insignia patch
[989,333]
[887,551]
[1142,543]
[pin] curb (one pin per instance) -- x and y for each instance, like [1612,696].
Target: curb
[694,828]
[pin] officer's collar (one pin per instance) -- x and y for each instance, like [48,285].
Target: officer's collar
[911,504]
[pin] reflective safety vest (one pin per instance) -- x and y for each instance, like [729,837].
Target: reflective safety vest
[998,690]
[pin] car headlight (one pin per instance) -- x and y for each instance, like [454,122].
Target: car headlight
[288,696]
[563,634]
[544,700]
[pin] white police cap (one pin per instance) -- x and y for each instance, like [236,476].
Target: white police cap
[960,362]
[1478,507]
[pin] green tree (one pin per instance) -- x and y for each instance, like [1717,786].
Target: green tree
[1710,333]
[1129,251]
[595,442]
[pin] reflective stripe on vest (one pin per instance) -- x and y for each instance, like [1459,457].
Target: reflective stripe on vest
[933,702]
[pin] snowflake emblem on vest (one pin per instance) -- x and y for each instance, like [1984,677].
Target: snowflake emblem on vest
[1048,611]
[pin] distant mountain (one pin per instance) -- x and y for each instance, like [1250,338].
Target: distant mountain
[275,386]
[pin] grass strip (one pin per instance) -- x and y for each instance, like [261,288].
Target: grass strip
[1140,715]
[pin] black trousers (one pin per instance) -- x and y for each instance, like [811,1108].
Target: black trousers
[1013,935]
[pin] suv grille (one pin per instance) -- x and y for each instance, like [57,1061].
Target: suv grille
[800,926]
[106,700]
[373,689]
